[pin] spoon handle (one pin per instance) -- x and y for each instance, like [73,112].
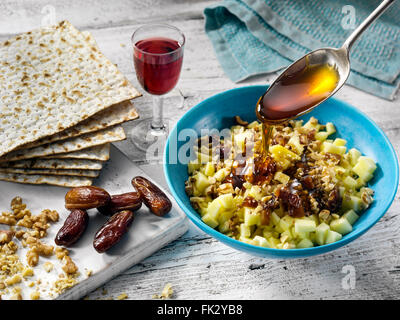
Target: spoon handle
[365,24]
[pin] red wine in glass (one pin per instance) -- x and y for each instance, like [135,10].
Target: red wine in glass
[158,64]
[157,57]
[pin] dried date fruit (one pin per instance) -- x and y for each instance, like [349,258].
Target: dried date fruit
[86,198]
[112,231]
[73,228]
[126,201]
[152,196]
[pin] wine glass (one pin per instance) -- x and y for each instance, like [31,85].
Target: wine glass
[157,56]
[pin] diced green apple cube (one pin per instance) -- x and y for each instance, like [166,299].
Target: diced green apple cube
[201,183]
[340,171]
[214,208]
[262,242]
[320,233]
[360,183]
[209,169]
[351,216]
[341,225]
[354,154]
[365,168]
[274,242]
[245,231]
[286,235]
[332,236]
[304,225]
[251,218]
[339,142]
[278,228]
[226,200]
[294,142]
[314,218]
[224,216]
[275,218]
[255,192]
[208,219]
[312,123]
[281,177]
[247,240]
[267,234]
[224,226]
[305,243]
[193,165]
[330,128]
[331,148]
[221,174]
[321,136]
[289,220]
[352,202]
[284,224]
[350,183]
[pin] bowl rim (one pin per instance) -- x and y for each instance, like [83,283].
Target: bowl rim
[289,253]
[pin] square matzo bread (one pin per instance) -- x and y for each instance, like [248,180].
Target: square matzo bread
[58,164]
[52,79]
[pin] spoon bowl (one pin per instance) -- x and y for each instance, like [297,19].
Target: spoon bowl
[312,79]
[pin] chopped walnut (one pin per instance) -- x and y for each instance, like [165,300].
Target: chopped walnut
[225,188]
[16,296]
[43,249]
[13,280]
[69,266]
[325,215]
[63,284]
[122,296]
[6,236]
[51,215]
[5,218]
[366,197]
[189,189]
[10,247]
[28,272]
[48,266]
[19,234]
[32,258]
[26,222]
[166,293]
[61,252]
[35,295]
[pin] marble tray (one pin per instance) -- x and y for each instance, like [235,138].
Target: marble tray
[147,234]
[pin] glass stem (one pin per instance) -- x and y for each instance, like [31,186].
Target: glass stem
[157,123]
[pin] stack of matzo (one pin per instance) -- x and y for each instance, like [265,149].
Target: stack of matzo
[62,103]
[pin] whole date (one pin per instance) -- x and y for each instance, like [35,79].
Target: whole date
[112,231]
[152,196]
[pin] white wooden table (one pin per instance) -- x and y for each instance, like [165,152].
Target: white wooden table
[197,266]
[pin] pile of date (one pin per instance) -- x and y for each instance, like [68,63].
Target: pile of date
[120,208]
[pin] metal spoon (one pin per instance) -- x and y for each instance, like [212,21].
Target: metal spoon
[336,57]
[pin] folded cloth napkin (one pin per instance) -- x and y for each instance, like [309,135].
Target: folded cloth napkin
[252,37]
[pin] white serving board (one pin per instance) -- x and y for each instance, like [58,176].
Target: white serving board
[147,234]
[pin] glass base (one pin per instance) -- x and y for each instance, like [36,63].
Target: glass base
[143,136]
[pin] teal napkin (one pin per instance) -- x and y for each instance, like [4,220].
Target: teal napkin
[253,37]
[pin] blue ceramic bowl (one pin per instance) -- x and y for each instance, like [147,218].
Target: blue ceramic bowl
[359,131]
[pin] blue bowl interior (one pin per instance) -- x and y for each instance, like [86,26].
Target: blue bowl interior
[352,125]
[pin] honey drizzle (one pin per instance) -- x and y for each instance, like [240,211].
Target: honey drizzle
[294,94]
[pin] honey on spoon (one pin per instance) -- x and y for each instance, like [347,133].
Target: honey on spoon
[308,81]
[297,91]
